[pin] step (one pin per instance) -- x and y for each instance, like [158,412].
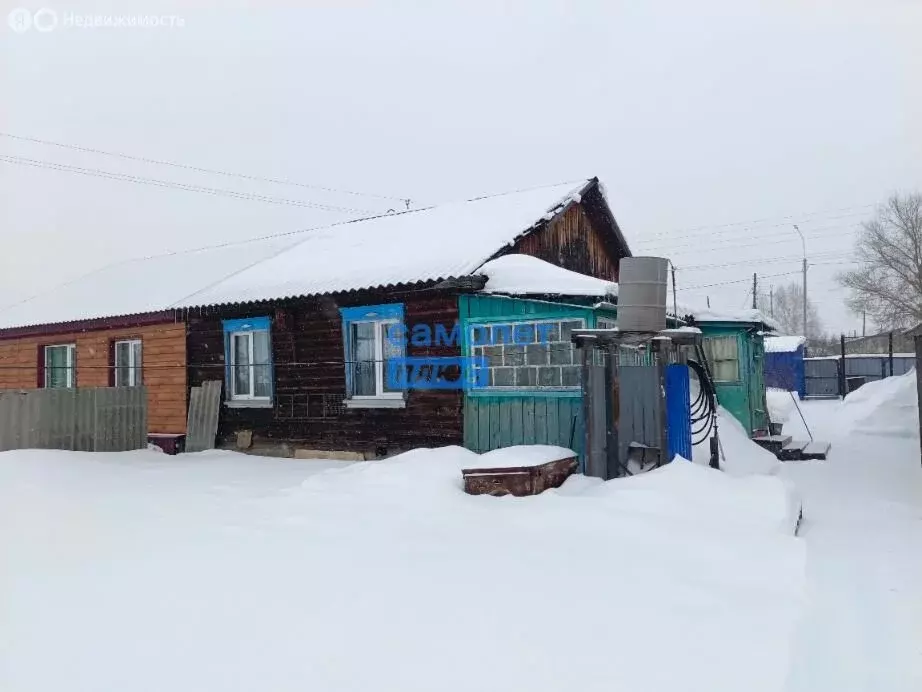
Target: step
[816,450]
[793,450]
[773,443]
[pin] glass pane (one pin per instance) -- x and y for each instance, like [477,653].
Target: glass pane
[549,377]
[561,353]
[503,377]
[726,371]
[241,353]
[571,376]
[363,354]
[136,348]
[122,356]
[56,374]
[262,370]
[393,348]
[261,348]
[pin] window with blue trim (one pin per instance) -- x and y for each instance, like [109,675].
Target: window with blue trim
[372,336]
[248,352]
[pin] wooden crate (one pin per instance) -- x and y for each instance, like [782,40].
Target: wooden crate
[519,481]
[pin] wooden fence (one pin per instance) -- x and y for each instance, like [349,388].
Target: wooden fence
[92,419]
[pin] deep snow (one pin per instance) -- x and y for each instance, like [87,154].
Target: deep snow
[219,572]
[222,572]
[862,628]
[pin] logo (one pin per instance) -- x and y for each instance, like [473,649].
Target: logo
[448,372]
[21,20]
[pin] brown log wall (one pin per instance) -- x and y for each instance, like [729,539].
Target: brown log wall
[307,347]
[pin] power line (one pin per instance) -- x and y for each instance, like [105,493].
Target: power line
[139,180]
[700,244]
[771,260]
[785,220]
[736,281]
[200,169]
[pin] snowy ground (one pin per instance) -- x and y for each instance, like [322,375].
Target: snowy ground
[143,572]
[862,628]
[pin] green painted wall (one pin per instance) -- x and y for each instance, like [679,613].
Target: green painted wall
[500,419]
[745,399]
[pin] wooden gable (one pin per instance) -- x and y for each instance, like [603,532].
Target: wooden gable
[583,238]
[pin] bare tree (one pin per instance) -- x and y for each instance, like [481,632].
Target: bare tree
[888,282]
[787,306]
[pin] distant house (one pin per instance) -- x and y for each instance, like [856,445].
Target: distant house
[299,328]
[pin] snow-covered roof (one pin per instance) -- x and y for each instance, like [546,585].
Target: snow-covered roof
[449,240]
[138,286]
[783,344]
[746,315]
[524,275]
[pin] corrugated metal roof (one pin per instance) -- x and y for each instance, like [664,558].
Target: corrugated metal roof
[449,240]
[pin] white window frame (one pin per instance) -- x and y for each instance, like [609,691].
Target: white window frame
[134,370]
[380,335]
[231,337]
[70,367]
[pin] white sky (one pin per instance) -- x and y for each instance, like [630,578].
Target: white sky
[694,114]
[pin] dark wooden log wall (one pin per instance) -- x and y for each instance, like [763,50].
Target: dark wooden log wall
[307,345]
[573,242]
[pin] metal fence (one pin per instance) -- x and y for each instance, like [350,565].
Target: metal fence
[824,374]
[99,419]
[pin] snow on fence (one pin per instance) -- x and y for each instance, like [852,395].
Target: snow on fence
[92,419]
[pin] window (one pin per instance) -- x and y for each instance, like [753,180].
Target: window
[526,355]
[249,361]
[373,336]
[723,354]
[128,363]
[59,364]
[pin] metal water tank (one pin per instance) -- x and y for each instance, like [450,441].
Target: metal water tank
[642,294]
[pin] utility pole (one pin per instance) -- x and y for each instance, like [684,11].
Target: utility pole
[709,302]
[803,242]
[755,286]
[675,302]
[864,322]
[771,298]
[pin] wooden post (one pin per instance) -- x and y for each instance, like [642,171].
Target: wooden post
[890,352]
[843,382]
[917,340]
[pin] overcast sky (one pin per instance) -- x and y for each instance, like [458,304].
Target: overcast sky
[694,114]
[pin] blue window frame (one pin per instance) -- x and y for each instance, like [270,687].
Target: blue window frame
[248,358]
[372,335]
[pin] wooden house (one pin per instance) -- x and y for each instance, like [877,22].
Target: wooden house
[299,328]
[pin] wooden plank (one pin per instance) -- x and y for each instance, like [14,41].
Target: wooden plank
[483,424]
[495,442]
[505,422]
[540,421]
[553,422]
[528,421]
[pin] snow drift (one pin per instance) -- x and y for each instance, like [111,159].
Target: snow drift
[886,407]
[781,404]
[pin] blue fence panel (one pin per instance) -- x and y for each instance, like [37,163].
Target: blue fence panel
[678,411]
